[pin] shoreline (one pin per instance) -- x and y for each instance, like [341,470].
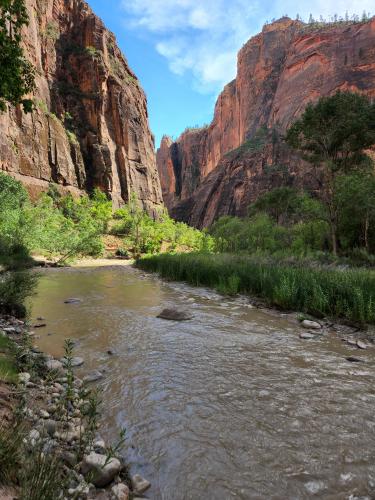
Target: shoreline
[56,414]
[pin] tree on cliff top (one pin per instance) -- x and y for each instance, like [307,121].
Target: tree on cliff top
[333,135]
[16,73]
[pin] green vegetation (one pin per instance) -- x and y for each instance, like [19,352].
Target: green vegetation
[17,75]
[320,292]
[332,135]
[8,367]
[52,31]
[251,145]
[142,234]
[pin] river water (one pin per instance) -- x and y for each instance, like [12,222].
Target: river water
[229,405]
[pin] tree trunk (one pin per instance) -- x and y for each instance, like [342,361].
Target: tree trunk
[334,238]
[367,224]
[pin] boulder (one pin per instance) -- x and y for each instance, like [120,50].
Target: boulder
[101,470]
[175,315]
[75,361]
[120,492]
[361,345]
[140,484]
[314,325]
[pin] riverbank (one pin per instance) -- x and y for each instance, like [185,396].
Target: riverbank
[50,440]
[339,294]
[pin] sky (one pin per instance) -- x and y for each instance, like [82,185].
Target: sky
[185,51]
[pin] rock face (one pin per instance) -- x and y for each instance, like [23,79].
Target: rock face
[90,128]
[221,169]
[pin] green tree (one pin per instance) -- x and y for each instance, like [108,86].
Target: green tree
[17,76]
[332,135]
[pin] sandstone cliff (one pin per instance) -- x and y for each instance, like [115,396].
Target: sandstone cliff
[221,169]
[90,127]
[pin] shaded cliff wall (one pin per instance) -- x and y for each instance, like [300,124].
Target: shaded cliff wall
[90,127]
[221,169]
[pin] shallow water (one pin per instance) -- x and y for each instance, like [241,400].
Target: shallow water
[229,405]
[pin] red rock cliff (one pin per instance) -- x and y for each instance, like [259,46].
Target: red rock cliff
[221,169]
[90,127]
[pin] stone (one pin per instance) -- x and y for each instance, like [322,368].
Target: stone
[353,359]
[361,345]
[102,471]
[120,492]
[175,315]
[140,484]
[34,437]
[99,446]
[314,325]
[306,335]
[93,377]
[72,300]
[24,378]
[76,361]
[54,364]
[40,325]
[69,458]
[50,426]
[44,414]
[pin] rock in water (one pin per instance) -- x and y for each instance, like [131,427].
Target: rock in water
[93,376]
[353,359]
[75,362]
[361,344]
[120,492]
[101,473]
[175,315]
[306,335]
[140,484]
[72,300]
[54,364]
[314,325]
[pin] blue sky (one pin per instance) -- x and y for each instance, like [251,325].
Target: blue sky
[184,51]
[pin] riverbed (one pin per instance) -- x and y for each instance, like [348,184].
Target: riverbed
[230,405]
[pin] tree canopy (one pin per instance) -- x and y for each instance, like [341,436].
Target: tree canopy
[17,76]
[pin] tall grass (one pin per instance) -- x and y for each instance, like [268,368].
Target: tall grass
[348,294]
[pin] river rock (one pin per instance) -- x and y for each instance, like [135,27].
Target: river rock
[23,378]
[93,377]
[34,437]
[44,414]
[54,364]
[40,325]
[101,473]
[353,359]
[361,344]
[99,446]
[351,342]
[314,325]
[175,315]
[72,300]
[306,335]
[140,484]
[120,492]
[50,427]
[75,361]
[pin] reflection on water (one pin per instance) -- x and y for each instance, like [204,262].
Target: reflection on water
[229,405]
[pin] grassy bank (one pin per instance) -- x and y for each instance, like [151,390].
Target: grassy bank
[348,294]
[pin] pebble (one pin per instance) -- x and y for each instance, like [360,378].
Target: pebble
[54,364]
[140,484]
[44,414]
[361,344]
[120,492]
[93,376]
[353,359]
[306,335]
[306,323]
[23,378]
[100,470]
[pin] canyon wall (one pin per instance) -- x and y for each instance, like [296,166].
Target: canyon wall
[90,126]
[220,169]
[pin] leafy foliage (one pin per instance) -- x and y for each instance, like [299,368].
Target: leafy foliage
[17,77]
[142,234]
[333,135]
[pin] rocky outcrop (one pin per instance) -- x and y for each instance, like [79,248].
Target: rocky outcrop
[90,126]
[220,169]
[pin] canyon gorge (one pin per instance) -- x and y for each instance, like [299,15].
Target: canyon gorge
[221,168]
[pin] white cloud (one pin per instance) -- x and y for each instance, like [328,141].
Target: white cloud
[203,38]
